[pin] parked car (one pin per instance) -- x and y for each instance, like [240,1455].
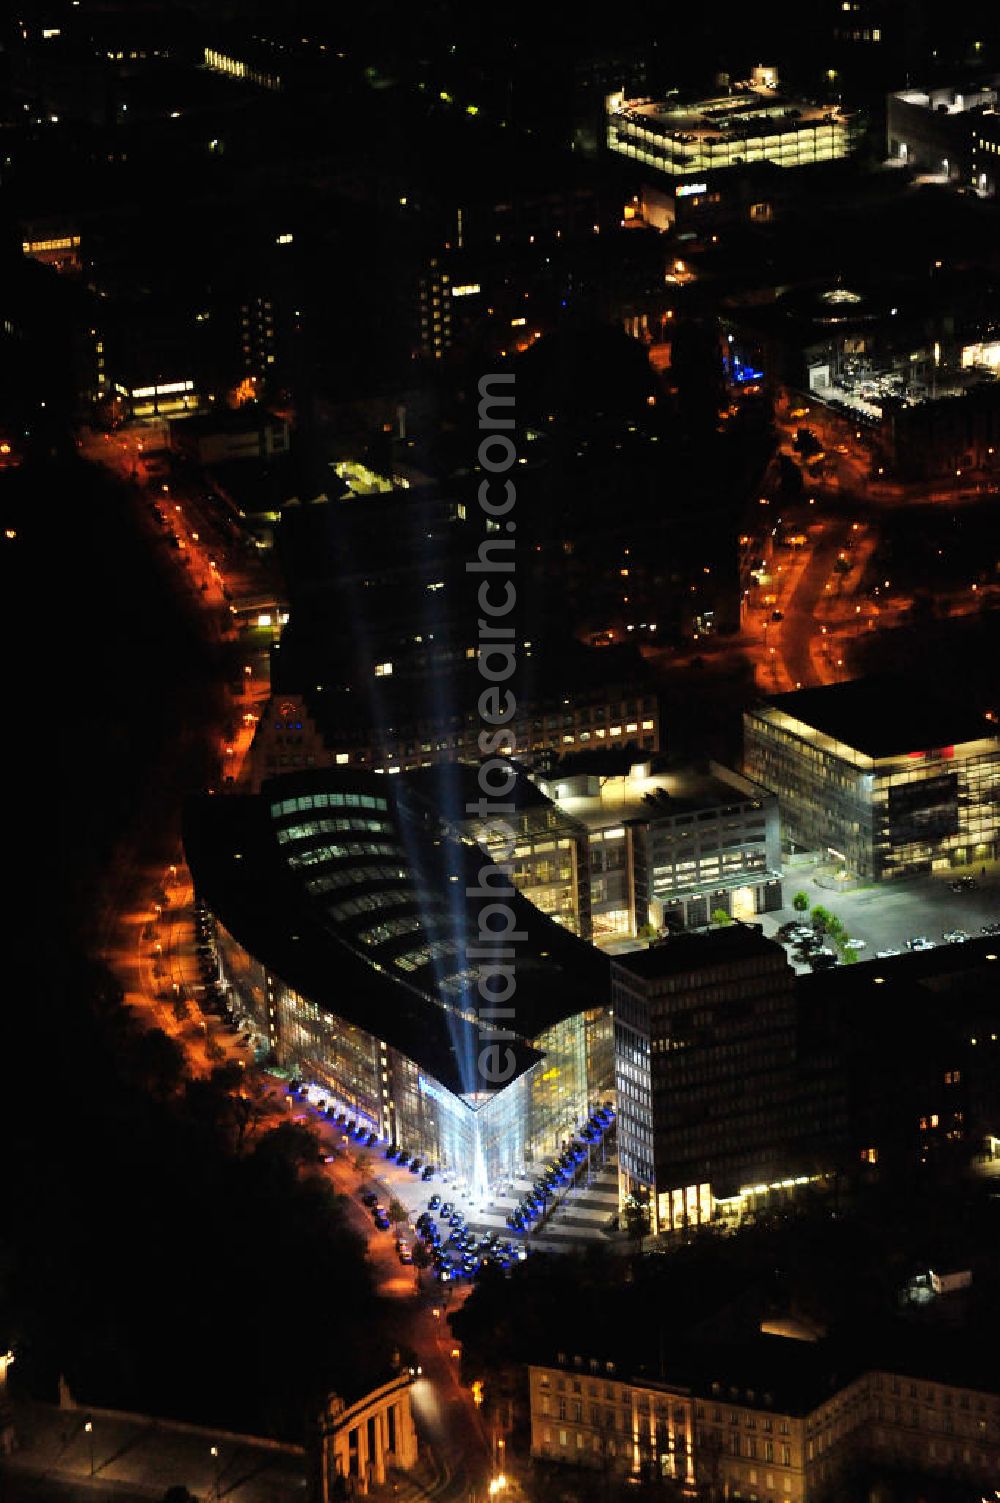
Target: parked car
[954,936]
[403,1251]
[885,954]
[855,944]
[920,942]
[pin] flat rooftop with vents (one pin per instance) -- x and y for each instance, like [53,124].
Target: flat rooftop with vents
[752,123]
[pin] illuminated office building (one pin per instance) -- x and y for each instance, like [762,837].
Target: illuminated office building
[754,123]
[669,844]
[878,775]
[345,930]
[710,1104]
[303,729]
[550,857]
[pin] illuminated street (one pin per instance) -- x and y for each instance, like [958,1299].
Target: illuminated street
[505,508]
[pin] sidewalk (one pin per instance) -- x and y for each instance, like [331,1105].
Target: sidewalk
[126,1457]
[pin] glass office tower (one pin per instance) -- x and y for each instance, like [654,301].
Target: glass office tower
[888,780]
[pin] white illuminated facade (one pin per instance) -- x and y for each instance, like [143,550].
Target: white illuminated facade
[951,133]
[368,987]
[164,398]
[668,848]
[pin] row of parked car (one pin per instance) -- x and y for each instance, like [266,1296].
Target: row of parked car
[214,996]
[415,1165]
[361,1132]
[561,1171]
[380,1215]
[350,1126]
[810,947]
[950,937]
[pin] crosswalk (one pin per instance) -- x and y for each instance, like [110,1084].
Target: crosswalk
[583,1214]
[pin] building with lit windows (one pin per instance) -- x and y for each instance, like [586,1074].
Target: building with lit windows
[669,843]
[390,555]
[876,45]
[710,1102]
[951,133]
[341,729]
[436,293]
[256,69]
[777,1418]
[550,858]
[55,245]
[754,123]
[741,1087]
[880,775]
[345,931]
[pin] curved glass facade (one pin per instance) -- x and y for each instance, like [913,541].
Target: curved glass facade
[346,928]
[486,1140]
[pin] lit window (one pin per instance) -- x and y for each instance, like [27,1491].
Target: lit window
[383,670]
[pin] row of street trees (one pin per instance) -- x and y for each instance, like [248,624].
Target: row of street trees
[827,925]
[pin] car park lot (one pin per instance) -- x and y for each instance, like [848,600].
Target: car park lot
[887,915]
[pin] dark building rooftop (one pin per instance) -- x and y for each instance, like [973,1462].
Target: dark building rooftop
[448,787]
[883,716]
[249,418]
[603,762]
[694,952]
